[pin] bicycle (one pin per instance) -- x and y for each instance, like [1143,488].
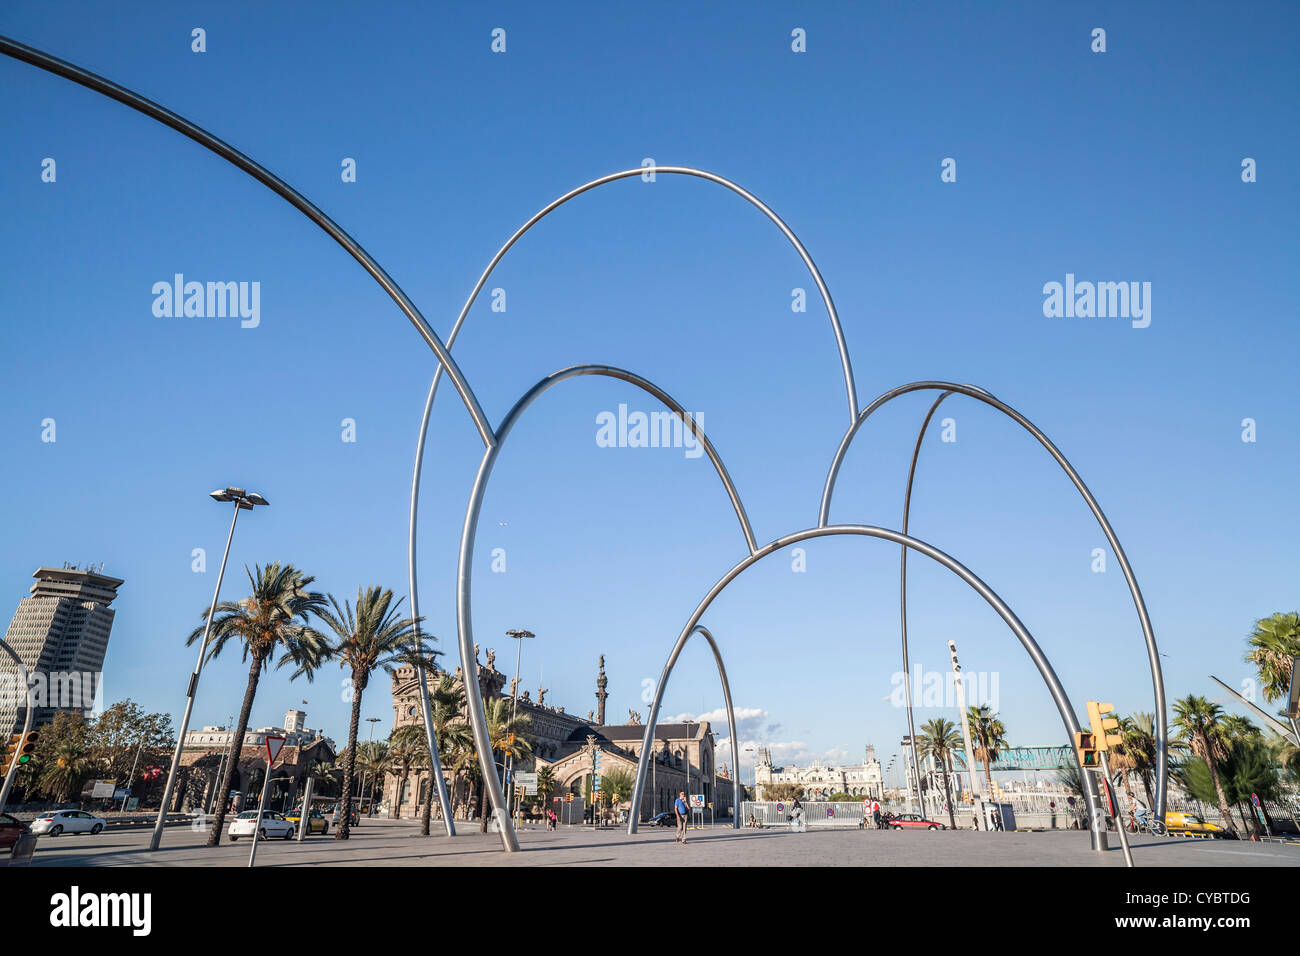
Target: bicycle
[1147,823]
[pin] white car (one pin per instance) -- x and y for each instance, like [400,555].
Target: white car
[68,821]
[273,825]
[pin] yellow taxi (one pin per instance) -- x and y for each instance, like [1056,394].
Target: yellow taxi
[316,822]
[1189,824]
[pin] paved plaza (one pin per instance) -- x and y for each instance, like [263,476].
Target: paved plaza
[391,843]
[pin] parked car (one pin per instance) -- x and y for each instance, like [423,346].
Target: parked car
[316,822]
[273,825]
[354,818]
[68,821]
[11,828]
[664,819]
[1190,823]
[914,821]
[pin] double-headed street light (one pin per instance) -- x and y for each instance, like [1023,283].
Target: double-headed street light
[244,501]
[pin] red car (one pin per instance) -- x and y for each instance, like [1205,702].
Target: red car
[913,821]
[10,830]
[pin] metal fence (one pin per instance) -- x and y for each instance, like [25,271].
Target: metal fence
[816,813]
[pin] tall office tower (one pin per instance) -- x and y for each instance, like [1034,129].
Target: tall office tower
[61,633]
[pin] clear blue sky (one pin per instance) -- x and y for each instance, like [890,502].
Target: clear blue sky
[1122,166]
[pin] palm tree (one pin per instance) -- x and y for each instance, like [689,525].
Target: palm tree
[368,637]
[373,763]
[939,739]
[325,775]
[451,735]
[545,784]
[506,737]
[1273,642]
[68,767]
[406,749]
[1199,723]
[616,786]
[989,737]
[272,618]
[1140,749]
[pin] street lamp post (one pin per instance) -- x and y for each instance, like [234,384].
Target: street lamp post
[244,501]
[375,778]
[131,776]
[520,635]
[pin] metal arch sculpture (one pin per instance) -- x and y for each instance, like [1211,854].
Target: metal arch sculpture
[1153,653]
[464,616]
[1059,697]
[106,87]
[647,743]
[99,84]
[850,384]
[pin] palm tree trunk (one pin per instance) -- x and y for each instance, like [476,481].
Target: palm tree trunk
[1218,787]
[349,763]
[426,814]
[236,747]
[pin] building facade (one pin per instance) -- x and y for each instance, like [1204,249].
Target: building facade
[818,781]
[60,631]
[560,741]
[206,750]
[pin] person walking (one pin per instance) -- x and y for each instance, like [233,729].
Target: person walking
[682,810]
[875,813]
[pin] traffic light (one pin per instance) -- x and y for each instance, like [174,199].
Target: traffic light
[27,751]
[1085,747]
[1105,725]
[23,746]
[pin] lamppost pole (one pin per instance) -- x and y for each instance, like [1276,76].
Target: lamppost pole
[27,722]
[244,501]
[520,635]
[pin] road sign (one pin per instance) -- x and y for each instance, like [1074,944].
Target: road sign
[1254,798]
[104,789]
[1070,800]
[780,808]
[528,780]
[1052,805]
[697,801]
[273,745]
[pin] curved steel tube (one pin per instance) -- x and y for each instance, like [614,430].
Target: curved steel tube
[647,743]
[1063,706]
[148,107]
[300,202]
[849,383]
[1153,653]
[464,623]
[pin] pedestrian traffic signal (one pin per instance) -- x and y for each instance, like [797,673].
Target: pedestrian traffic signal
[1105,725]
[1085,747]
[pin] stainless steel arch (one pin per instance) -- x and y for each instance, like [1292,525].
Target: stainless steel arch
[647,742]
[464,617]
[1062,701]
[846,363]
[1153,653]
[106,87]
[300,202]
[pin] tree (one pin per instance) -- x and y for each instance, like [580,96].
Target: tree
[1199,723]
[989,737]
[939,738]
[506,737]
[1140,749]
[366,638]
[124,730]
[545,784]
[326,778]
[782,791]
[406,750]
[274,617]
[62,761]
[451,736]
[1274,641]
[616,784]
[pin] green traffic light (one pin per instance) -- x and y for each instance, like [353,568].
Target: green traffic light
[25,758]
